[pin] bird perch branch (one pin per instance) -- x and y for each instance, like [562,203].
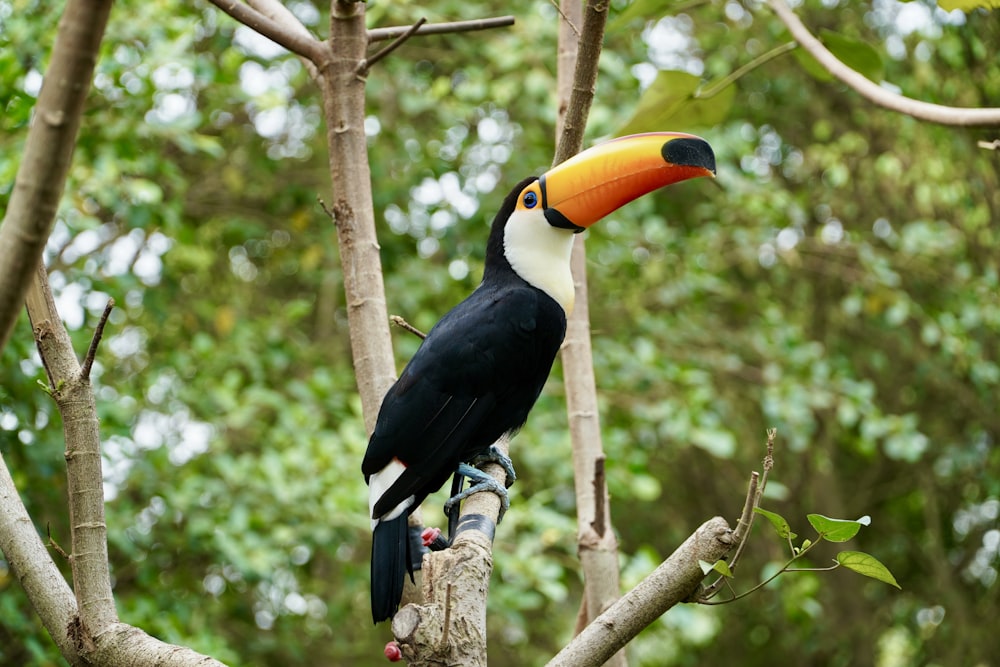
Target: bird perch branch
[934,113]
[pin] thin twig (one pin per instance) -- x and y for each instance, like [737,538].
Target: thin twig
[600,484]
[738,73]
[935,113]
[785,568]
[755,490]
[572,26]
[746,518]
[382,34]
[365,65]
[55,545]
[403,324]
[322,204]
[96,340]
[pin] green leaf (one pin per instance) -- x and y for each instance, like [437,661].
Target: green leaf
[867,565]
[968,5]
[780,525]
[720,566]
[645,9]
[856,54]
[835,530]
[671,102]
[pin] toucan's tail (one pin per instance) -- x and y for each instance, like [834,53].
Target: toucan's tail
[390,562]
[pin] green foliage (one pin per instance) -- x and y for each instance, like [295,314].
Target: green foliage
[856,54]
[676,99]
[867,565]
[838,280]
[827,529]
[967,5]
[780,525]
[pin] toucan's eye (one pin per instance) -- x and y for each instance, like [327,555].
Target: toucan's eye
[530,200]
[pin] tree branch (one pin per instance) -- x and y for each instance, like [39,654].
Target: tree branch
[48,152]
[584,81]
[48,592]
[382,34]
[281,15]
[926,111]
[88,361]
[74,397]
[353,209]
[365,65]
[579,54]
[670,583]
[279,27]
[755,491]
[450,627]
[86,628]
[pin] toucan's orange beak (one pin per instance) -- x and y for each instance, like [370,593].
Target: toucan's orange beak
[587,187]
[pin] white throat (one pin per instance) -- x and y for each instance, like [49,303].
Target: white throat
[540,253]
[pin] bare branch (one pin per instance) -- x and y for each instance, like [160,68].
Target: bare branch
[277,30]
[382,34]
[281,15]
[87,625]
[55,545]
[579,53]
[755,491]
[47,153]
[34,569]
[74,397]
[353,210]
[403,324]
[365,65]
[88,361]
[934,113]
[669,584]
[584,81]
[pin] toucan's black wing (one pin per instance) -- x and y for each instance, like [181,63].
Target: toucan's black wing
[474,378]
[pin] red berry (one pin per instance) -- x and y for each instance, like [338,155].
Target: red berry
[429,535]
[392,652]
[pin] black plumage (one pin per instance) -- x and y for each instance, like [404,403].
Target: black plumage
[481,368]
[475,377]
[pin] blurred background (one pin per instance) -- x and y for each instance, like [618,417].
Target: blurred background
[838,281]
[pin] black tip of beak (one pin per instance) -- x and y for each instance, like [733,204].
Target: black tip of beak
[689,152]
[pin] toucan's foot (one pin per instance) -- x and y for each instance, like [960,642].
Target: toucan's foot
[478,481]
[494,455]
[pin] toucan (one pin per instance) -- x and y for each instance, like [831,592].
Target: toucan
[480,369]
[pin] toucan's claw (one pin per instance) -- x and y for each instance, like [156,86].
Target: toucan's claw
[494,455]
[479,481]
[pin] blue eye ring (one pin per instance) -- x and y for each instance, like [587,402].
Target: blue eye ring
[530,200]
